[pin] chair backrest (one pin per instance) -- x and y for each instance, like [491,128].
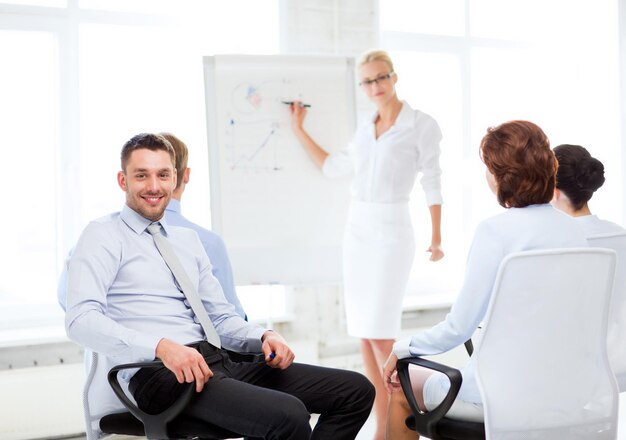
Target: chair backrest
[91,368]
[616,337]
[542,366]
[98,397]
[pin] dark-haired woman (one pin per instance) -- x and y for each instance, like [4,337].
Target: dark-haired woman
[578,177]
[521,171]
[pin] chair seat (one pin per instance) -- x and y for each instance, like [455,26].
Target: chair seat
[451,429]
[181,427]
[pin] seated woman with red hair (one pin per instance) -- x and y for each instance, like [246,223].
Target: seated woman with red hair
[521,171]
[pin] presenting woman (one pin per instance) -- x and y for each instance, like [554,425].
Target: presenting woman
[521,171]
[385,156]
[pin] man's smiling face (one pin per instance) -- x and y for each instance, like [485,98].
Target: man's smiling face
[148,181]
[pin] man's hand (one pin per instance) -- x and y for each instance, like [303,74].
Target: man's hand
[185,362]
[390,376]
[277,352]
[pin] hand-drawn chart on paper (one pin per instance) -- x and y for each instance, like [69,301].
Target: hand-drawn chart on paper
[256,122]
[279,216]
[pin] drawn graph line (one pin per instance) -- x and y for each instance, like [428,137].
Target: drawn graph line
[264,143]
[262,146]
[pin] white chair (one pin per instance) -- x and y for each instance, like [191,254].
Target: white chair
[616,338]
[542,364]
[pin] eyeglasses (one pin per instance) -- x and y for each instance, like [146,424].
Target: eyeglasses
[377,80]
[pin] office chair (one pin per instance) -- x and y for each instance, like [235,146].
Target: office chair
[542,364]
[617,318]
[130,420]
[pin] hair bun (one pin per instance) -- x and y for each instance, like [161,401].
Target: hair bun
[590,174]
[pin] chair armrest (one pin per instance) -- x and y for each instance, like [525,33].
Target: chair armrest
[469,347]
[155,425]
[426,422]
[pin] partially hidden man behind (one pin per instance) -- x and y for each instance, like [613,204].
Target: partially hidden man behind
[212,243]
[124,303]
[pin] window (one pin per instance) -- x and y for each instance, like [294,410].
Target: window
[80,78]
[475,64]
[29,86]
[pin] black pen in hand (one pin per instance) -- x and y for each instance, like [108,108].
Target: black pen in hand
[293,102]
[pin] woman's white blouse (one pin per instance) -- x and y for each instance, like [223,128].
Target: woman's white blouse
[594,227]
[516,229]
[385,169]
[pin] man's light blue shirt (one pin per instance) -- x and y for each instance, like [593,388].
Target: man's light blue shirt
[122,299]
[215,249]
[213,246]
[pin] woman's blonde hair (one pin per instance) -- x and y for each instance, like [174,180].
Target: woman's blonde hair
[375,55]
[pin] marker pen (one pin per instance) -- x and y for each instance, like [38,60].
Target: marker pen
[301,104]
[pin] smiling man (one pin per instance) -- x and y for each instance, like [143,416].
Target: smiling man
[124,302]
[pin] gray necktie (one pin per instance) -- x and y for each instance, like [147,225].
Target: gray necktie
[172,261]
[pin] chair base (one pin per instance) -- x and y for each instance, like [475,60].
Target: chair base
[180,428]
[450,429]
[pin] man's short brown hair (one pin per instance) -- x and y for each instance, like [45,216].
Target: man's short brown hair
[149,141]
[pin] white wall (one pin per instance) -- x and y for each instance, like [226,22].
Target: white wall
[41,402]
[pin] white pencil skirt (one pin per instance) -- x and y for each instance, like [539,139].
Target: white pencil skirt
[378,252]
